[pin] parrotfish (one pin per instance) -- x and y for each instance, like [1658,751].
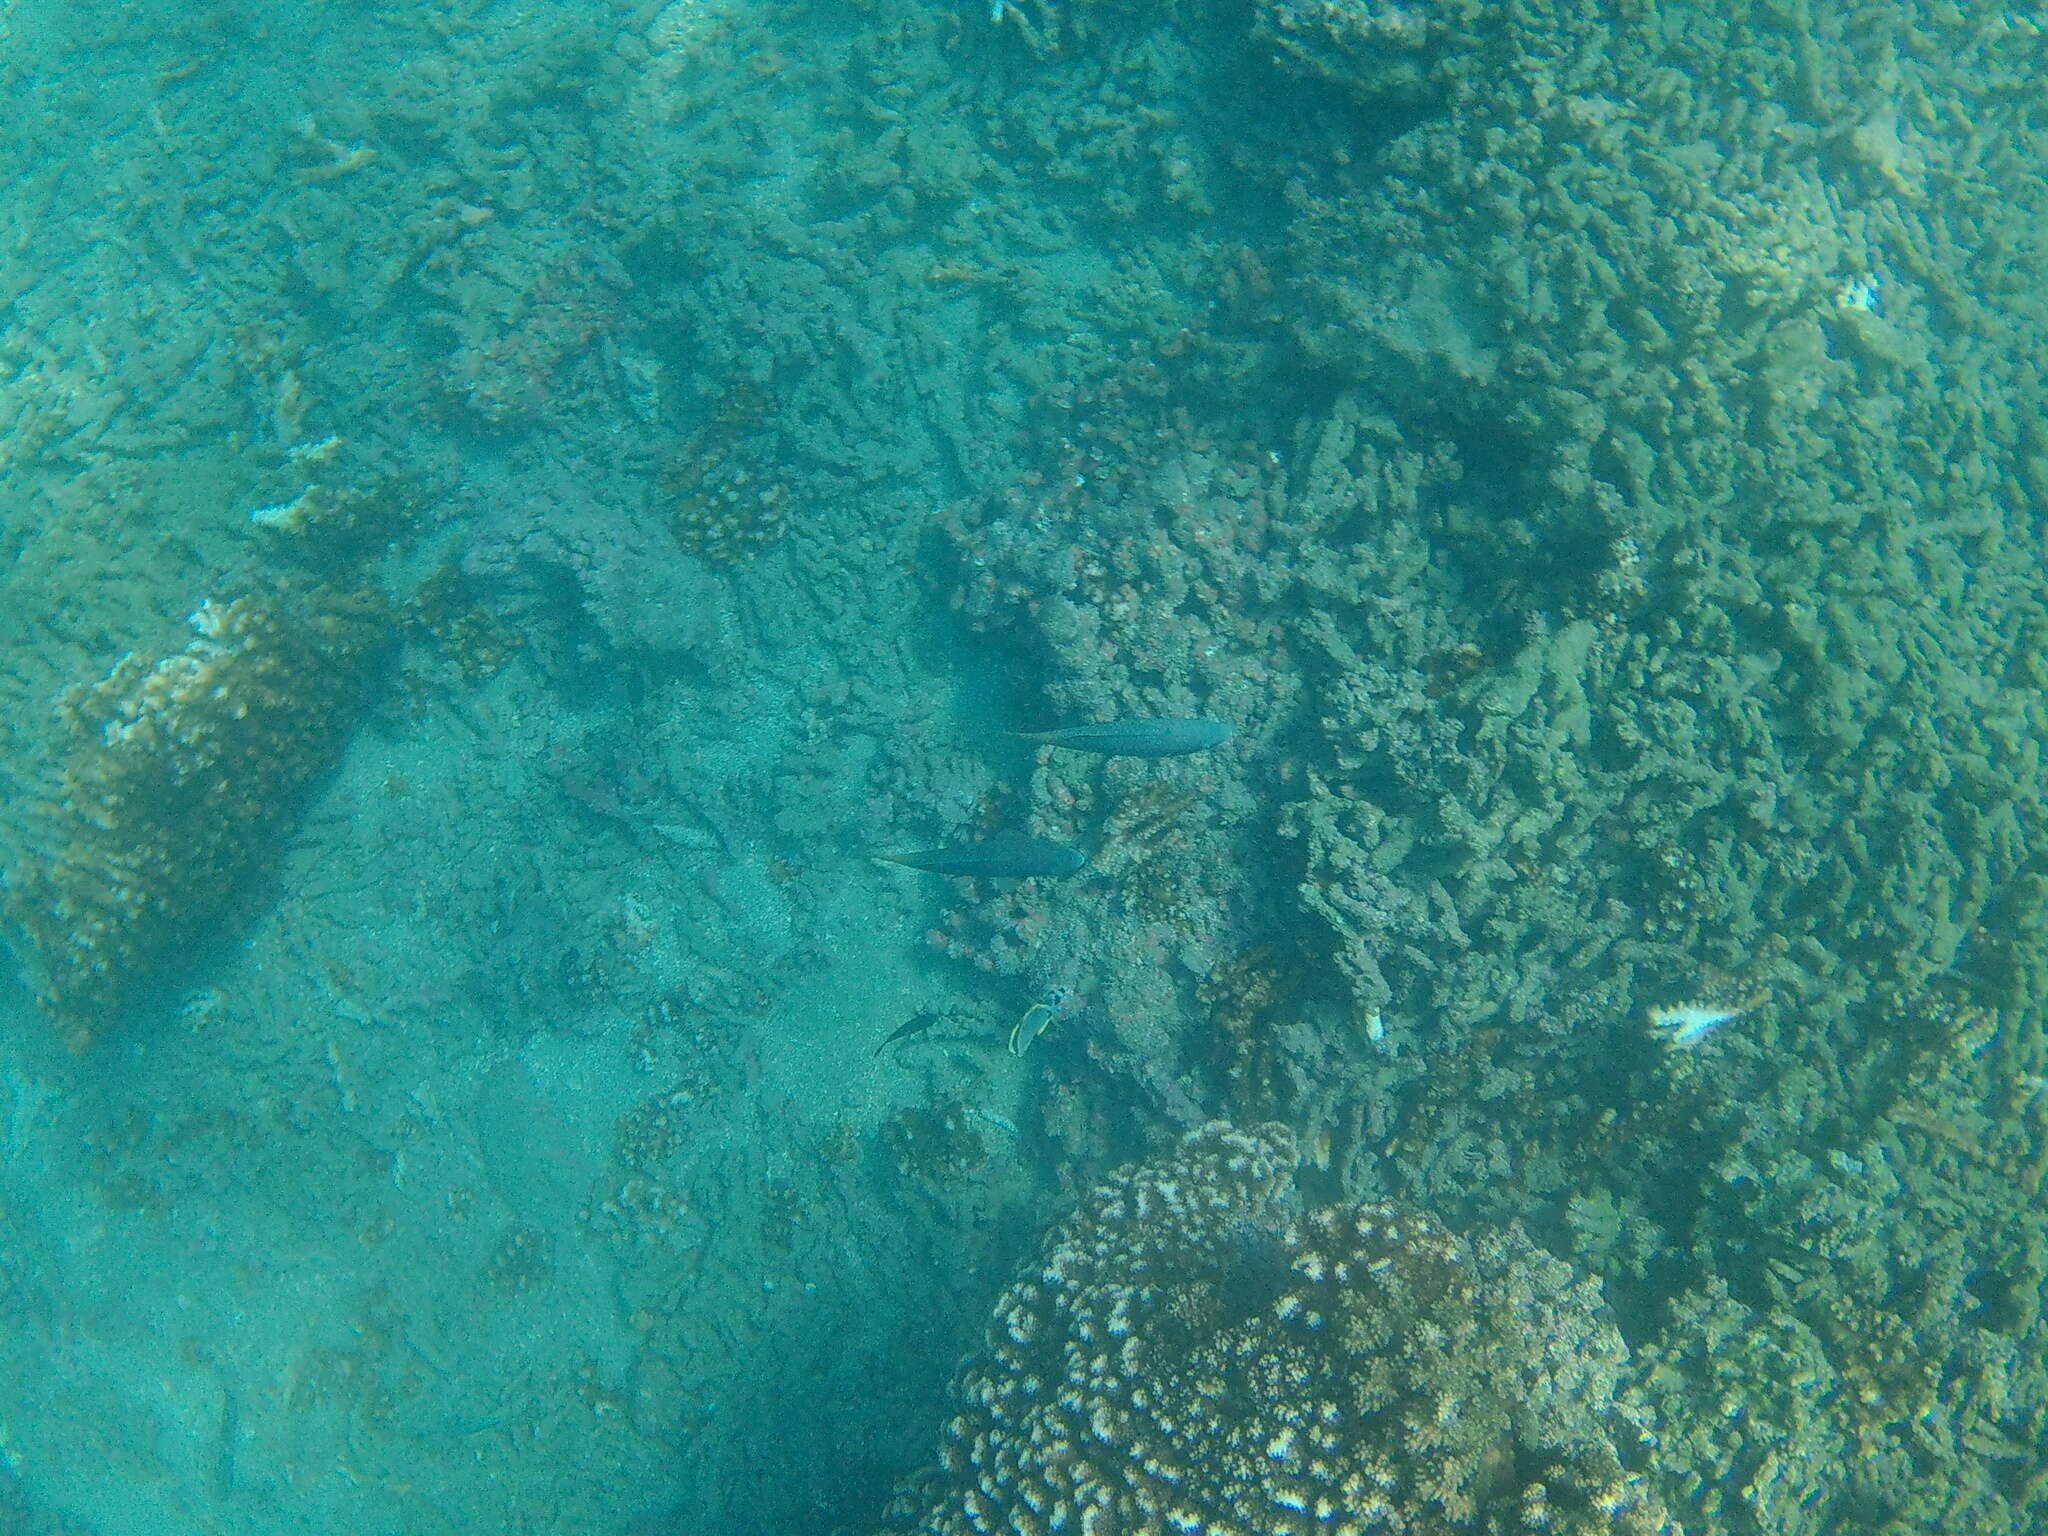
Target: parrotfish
[1006,856]
[1138,738]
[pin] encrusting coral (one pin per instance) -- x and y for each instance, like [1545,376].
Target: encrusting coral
[1193,1353]
[182,775]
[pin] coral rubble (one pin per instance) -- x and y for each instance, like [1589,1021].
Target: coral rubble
[182,776]
[1191,1352]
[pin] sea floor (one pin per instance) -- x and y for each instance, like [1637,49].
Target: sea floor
[535,1162]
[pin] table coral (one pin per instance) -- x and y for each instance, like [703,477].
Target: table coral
[1193,1353]
[183,774]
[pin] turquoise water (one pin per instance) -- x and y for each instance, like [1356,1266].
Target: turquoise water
[504,510]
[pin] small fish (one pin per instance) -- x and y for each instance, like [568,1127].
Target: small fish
[1138,738]
[1007,855]
[1682,1026]
[916,1024]
[1036,1017]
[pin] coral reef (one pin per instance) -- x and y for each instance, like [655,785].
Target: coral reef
[1592,459]
[1379,50]
[1242,995]
[721,492]
[1142,573]
[1691,397]
[1190,1352]
[518,317]
[724,512]
[444,614]
[1875,1307]
[579,574]
[936,1143]
[183,775]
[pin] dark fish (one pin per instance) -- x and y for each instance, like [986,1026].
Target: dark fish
[1138,738]
[1007,855]
[916,1024]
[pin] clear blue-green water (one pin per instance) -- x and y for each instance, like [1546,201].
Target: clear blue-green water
[505,511]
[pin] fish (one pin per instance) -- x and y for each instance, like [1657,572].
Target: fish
[916,1024]
[1137,738]
[1684,1025]
[1007,855]
[1036,1017]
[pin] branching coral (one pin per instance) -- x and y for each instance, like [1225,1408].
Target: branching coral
[1192,1354]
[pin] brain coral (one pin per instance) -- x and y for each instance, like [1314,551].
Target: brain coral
[1192,1353]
